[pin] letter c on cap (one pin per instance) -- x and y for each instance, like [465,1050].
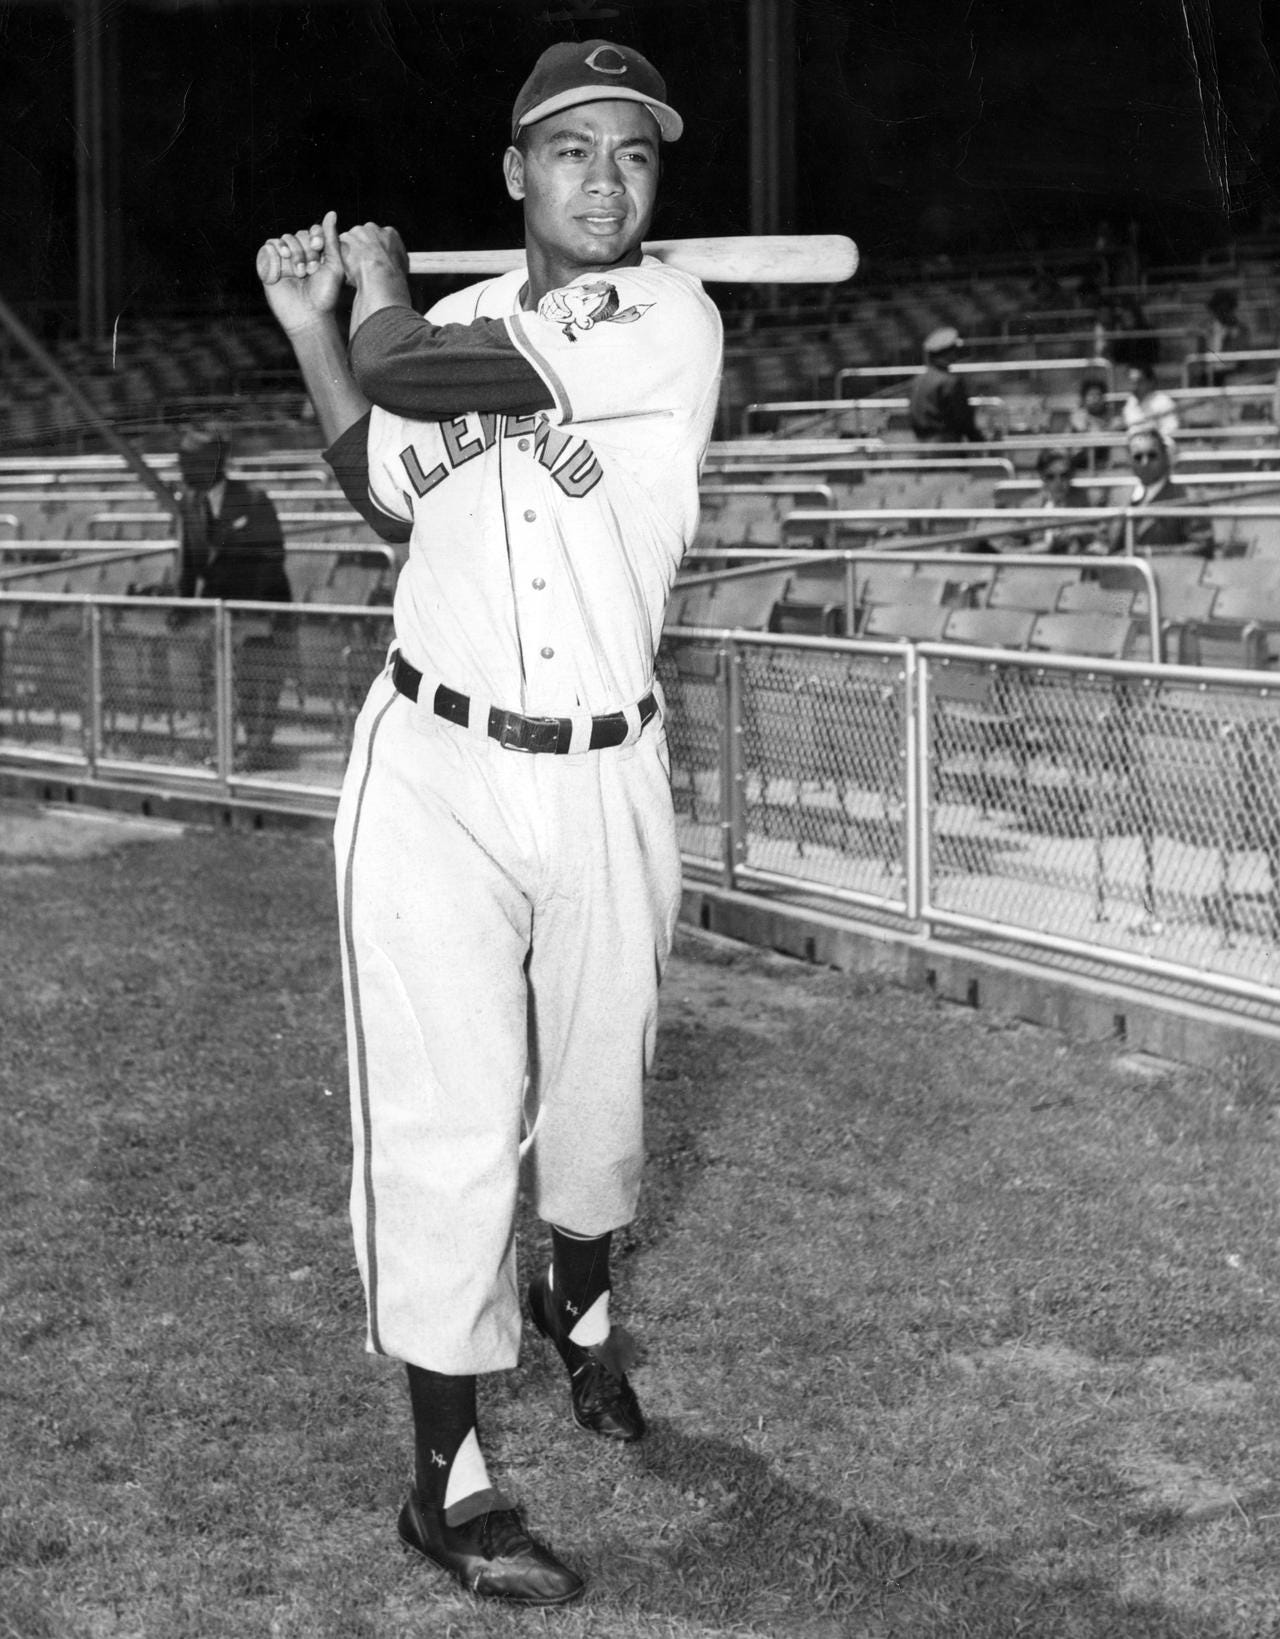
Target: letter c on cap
[615,66]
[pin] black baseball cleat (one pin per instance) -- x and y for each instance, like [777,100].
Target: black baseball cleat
[603,1401]
[492,1555]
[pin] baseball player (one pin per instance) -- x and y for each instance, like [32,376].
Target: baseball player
[507,864]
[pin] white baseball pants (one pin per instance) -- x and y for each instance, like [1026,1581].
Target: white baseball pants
[505,917]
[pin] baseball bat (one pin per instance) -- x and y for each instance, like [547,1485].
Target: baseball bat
[757,259]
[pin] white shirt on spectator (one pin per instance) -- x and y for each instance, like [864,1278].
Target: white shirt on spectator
[1157,410]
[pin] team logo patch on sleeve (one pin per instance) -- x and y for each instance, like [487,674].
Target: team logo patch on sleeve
[582,307]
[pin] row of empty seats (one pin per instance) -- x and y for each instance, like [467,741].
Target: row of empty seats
[145,366]
[358,576]
[1221,612]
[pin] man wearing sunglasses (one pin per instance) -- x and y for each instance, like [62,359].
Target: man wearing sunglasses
[1151,455]
[1058,493]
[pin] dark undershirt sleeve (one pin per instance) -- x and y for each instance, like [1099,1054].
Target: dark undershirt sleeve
[348,455]
[427,372]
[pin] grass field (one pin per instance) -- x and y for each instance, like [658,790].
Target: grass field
[950,1329]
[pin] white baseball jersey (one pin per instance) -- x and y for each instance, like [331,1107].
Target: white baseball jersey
[544,545]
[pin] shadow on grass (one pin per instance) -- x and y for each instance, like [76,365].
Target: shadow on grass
[770,1556]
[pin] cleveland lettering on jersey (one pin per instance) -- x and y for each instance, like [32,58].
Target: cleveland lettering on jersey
[571,461]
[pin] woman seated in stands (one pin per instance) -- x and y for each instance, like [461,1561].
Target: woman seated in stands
[1093,415]
[1058,492]
[1151,455]
[1148,405]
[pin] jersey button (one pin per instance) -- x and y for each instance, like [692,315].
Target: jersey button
[538,583]
[548,652]
[523,444]
[530,516]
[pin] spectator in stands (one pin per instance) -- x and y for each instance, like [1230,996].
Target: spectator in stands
[1056,478]
[938,405]
[1148,405]
[1130,341]
[1227,334]
[1093,415]
[1151,455]
[232,547]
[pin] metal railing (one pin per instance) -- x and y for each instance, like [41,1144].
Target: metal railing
[1125,811]
[187,693]
[1227,361]
[837,411]
[830,523]
[875,413]
[846,573]
[1094,363]
[1021,448]
[1121,811]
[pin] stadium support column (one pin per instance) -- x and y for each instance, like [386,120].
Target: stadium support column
[97,166]
[772,74]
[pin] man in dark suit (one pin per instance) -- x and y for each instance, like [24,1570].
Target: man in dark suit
[1151,455]
[232,547]
[938,405]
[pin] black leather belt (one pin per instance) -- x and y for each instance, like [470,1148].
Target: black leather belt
[511,729]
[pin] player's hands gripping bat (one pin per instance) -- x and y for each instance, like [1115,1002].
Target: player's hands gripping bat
[302,273]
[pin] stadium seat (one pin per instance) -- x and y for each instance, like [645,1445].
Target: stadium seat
[1093,632]
[917,622]
[806,619]
[1256,577]
[1219,641]
[307,572]
[978,749]
[889,583]
[815,604]
[990,628]
[1031,586]
[1251,537]
[1242,627]
[354,583]
[1091,597]
[745,602]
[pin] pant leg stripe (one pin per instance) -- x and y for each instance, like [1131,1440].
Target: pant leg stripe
[358,1036]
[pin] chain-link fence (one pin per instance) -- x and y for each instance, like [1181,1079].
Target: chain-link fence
[1120,810]
[187,689]
[1109,809]
[1117,807]
[790,762]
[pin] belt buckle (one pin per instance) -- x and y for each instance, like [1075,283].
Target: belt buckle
[529,734]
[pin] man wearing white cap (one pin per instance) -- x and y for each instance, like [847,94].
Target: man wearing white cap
[508,871]
[937,403]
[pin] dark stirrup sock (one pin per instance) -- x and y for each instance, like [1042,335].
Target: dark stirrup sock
[444,1429]
[579,1271]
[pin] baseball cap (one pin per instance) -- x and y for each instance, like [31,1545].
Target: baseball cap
[942,340]
[577,71]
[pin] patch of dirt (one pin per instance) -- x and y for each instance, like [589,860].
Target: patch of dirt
[31,834]
[1161,1488]
[707,972]
[1061,1364]
[1166,1487]
[1220,1394]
